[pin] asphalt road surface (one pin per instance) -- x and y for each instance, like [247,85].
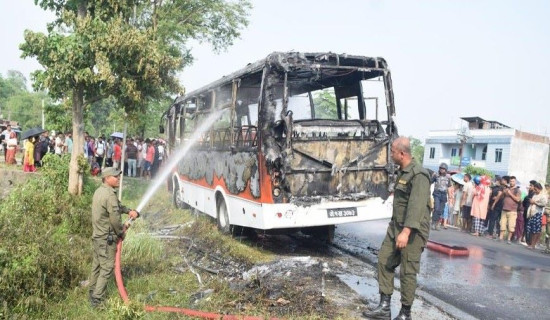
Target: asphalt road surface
[496,281]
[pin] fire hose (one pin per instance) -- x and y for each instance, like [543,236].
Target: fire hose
[189,312]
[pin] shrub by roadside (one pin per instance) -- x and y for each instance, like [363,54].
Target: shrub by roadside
[44,246]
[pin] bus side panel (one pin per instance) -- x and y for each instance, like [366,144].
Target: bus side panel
[236,172]
[199,197]
[245,213]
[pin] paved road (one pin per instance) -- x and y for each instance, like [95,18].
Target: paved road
[497,280]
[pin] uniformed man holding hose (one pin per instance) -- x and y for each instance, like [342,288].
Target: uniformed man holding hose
[107,229]
[407,233]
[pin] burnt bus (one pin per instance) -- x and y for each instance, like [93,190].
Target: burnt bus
[300,141]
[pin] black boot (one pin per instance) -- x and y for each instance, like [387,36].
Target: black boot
[404,314]
[382,311]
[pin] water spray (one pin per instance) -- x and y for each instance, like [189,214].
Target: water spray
[177,156]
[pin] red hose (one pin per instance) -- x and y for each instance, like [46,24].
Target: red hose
[453,251]
[188,312]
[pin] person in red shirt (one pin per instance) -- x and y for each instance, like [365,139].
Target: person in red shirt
[117,154]
[149,157]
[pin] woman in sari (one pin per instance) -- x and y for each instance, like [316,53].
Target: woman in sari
[534,213]
[11,148]
[28,159]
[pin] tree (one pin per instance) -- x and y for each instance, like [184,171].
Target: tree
[325,105]
[417,149]
[18,104]
[59,116]
[129,50]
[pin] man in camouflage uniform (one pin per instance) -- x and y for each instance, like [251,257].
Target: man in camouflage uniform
[407,233]
[107,229]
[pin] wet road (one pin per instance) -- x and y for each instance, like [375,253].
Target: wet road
[497,280]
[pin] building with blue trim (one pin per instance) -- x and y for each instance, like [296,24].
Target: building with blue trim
[490,145]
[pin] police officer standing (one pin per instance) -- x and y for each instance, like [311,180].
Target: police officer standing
[407,233]
[107,229]
[442,182]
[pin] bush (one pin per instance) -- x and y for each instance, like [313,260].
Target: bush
[45,233]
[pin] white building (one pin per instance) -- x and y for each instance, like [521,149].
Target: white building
[491,145]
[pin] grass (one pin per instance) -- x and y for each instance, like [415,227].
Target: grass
[156,274]
[149,267]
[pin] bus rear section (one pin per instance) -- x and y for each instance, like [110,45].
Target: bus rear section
[304,144]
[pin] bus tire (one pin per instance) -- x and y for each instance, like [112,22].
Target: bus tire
[223,216]
[177,198]
[322,233]
[330,234]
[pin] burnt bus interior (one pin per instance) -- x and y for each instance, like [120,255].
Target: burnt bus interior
[323,122]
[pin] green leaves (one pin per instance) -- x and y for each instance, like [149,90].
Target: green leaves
[129,50]
[417,149]
[45,238]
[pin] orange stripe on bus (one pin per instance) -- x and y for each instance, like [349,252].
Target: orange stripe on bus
[265,185]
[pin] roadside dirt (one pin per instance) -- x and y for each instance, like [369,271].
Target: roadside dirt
[300,282]
[307,279]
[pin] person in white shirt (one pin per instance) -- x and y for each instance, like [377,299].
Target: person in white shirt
[100,148]
[144,156]
[161,153]
[59,147]
[466,203]
[6,135]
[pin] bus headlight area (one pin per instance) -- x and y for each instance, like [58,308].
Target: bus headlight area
[279,216]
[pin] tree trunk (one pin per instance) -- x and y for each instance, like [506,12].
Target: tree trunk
[75,176]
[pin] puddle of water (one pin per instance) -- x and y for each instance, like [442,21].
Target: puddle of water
[489,267]
[367,288]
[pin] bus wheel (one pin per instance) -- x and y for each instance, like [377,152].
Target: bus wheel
[330,234]
[323,233]
[223,217]
[177,197]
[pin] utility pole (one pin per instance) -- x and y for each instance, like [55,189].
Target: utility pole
[463,137]
[43,118]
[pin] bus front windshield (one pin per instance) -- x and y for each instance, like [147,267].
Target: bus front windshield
[324,104]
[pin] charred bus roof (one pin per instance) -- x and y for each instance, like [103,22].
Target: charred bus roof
[305,64]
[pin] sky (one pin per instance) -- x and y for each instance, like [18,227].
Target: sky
[449,59]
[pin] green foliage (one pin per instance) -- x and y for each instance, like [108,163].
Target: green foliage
[45,232]
[118,310]
[59,117]
[325,105]
[127,50]
[18,104]
[417,149]
[141,250]
[476,171]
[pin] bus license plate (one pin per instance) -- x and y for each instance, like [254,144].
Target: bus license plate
[342,212]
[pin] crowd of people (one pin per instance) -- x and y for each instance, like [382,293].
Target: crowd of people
[496,209]
[142,158]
